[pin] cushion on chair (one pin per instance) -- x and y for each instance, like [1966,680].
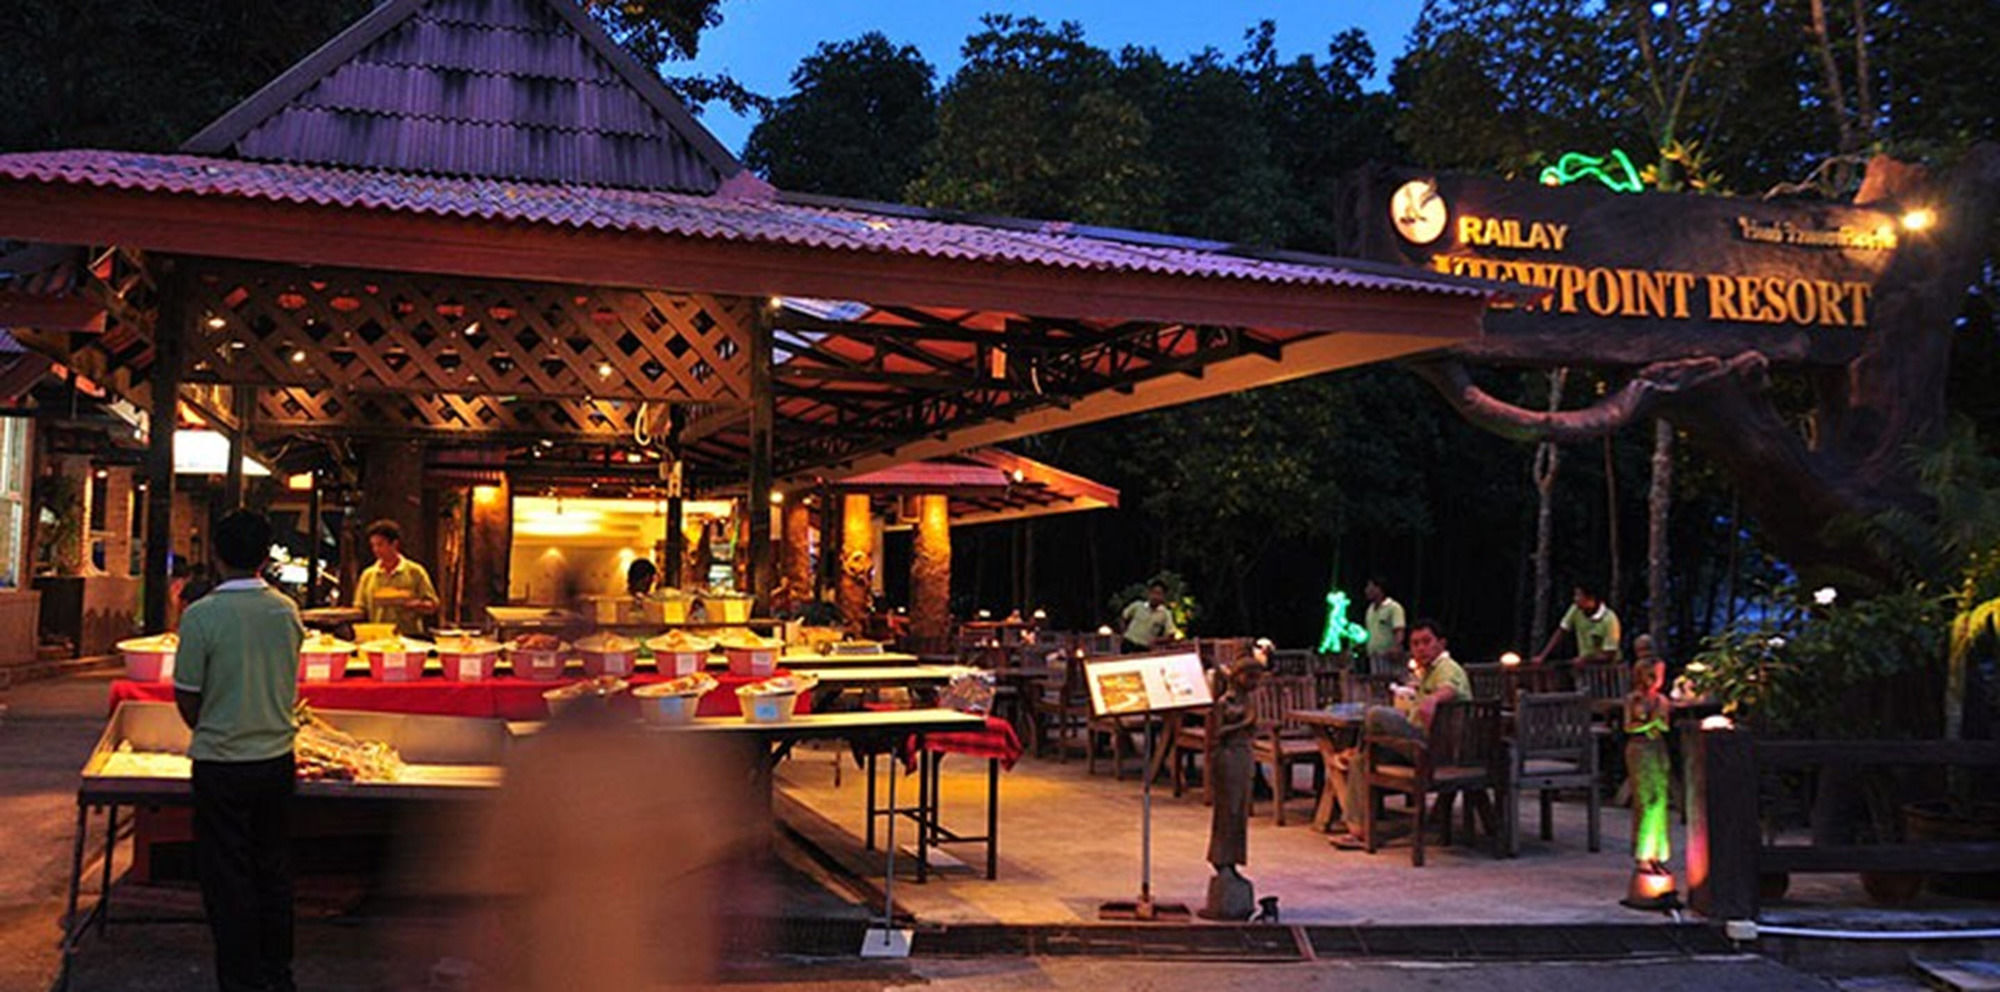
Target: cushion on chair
[1546,766]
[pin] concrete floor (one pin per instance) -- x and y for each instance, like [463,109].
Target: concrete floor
[1069,841]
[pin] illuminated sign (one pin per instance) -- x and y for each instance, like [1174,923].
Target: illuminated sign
[1627,263]
[1614,171]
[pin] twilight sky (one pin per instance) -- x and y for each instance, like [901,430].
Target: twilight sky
[761,41]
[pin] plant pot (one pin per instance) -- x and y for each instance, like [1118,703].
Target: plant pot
[1937,820]
[1892,888]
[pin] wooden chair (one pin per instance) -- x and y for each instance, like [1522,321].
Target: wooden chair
[1100,644]
[1292,661]
[1123,733]
[1604,686]
[1488,682]
[1361,687]
[1190,740]
[1461,754]
[1280,744]
[1062,708]
[1553,748]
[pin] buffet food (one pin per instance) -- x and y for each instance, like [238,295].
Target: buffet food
[772,700]
[467,657]
[150,659]
[675,701]
[323,751]
[323,657]
[537,657]
[726,608]
[750,655]
[679,653]
[598,689]
[606,653]
[396,659]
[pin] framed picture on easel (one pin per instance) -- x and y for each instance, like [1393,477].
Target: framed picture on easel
[1146,684]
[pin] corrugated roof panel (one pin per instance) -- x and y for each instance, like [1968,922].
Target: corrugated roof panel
[526,101]
[686,215]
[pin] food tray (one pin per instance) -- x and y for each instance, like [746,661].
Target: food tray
[752,662]
[445,757]
[537,665]
[323,666]
[146,660]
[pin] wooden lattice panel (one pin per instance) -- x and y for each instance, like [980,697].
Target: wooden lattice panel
[287,411]
[375,332]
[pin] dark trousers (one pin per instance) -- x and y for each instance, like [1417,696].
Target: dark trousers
[242,835]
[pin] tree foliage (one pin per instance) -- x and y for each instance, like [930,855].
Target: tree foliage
[857,122]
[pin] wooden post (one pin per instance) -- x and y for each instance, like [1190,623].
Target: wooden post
[1722,837]
[930,571]
[243,407]
[857,548]
[489,542]
[313,514]
[170,323]
[827,577]
[762,411]
[392,487]
[674,558]
[796,558]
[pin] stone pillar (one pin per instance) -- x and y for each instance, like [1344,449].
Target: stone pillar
[930,571]
[795,556]
[857,563]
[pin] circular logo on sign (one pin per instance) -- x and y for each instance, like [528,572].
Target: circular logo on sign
[1418,210]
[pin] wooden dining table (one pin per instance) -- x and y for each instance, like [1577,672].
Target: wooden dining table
[1337,730]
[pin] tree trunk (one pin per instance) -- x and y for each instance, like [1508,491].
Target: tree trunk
[1616,582]
[1548,458]
[1658,502]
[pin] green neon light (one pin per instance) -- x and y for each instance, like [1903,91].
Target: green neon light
[1575,166]
[1651,772]
[1339,629]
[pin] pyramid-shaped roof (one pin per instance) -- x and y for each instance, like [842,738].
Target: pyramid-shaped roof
[528,90]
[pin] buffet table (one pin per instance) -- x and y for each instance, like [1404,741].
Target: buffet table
[503,697]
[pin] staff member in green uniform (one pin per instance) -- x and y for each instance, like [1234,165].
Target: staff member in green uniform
[235,674]
[1594,625]
[394,589]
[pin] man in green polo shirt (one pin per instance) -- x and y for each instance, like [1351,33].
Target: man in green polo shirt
[394,589]
[1594,626]
[1439,680]
[1384,620]
[235,677]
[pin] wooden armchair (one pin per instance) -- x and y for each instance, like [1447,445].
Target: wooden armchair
[1280,744]
[1553,748]
[1461,753]
[1361,687]
[1488,682]
[1605,686]
[1062,708]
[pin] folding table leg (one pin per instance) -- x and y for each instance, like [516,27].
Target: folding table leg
[75,885]
[924,799]
[868,842]
[992,818]
[104,888]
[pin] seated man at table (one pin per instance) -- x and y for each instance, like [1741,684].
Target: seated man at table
[1591,621]
[1439,680]
[394,589]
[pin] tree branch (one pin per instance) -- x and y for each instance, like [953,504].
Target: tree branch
[1636,399]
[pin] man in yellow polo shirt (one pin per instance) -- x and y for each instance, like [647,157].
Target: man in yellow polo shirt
[1593,624]
[1440,679]
[235,674]
[394,589]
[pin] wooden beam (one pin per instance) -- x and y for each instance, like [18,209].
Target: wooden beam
[171,325]
[75,314]
[763,574]
[406,241]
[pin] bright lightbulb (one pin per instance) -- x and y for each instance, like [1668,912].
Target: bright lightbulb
[1510,658]
[1919,219]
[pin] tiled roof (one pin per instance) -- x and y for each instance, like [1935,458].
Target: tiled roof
[500,89]
[759,216]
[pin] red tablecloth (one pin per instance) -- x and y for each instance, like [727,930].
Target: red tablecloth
[998,740]
[505,698]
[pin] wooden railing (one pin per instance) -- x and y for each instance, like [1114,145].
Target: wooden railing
[1726,852]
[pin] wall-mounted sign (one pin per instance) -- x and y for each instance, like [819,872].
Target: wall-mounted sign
[1622,262]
